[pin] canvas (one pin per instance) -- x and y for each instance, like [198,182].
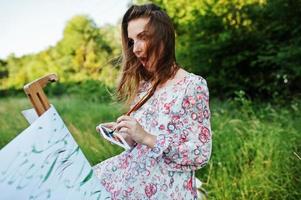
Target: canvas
[45,162]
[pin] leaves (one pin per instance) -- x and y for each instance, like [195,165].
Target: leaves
[248,45]
[82,54]
[240,44]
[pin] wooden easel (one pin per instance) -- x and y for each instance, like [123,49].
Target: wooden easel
[36,95]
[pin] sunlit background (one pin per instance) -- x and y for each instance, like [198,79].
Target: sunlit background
[248,51]
[32,25]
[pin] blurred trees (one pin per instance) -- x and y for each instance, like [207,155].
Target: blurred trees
[249,45]
[85,52]
[237,45]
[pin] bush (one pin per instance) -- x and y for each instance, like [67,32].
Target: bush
[92,91]
[89,90]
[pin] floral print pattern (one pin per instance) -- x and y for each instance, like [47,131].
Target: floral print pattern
[179,116]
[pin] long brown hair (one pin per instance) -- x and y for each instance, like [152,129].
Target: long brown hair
[160,51]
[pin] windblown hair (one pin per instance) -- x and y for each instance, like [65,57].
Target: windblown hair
[160,37]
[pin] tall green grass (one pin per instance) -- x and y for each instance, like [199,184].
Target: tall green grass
[254,149]
[255,146]
[80,115]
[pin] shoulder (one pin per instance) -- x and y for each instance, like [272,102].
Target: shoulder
[196,82]
[197,79]
[196,88]
[190,79]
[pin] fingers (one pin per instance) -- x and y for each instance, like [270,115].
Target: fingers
[122,124]
[125,121]
[127,138]
[123,130]
[124,135]
[110,125]
[124,118]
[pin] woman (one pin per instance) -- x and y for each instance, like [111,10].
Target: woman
[169,128]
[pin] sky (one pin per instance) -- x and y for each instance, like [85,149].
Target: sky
[29,26]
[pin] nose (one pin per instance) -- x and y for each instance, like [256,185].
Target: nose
[137,48]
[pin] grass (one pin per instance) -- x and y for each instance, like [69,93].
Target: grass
[255,146]
[80,116]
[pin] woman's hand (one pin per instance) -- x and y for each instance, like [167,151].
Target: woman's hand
[109,125]
[130,126]
[127,138]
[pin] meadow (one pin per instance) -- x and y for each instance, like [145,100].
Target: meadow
[256,146]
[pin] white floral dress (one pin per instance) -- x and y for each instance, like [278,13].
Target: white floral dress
[179,116]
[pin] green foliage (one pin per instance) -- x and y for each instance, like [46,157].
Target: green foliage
[243,103]
[12,92]
[90,90]
[254,150]
[3,69]
[248,45]
[85,52]
[80,115]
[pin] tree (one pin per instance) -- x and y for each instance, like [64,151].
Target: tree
[250,45]
[85,52]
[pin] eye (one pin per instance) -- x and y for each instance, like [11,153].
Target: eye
[130,42]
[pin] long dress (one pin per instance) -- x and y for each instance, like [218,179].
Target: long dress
[179,116]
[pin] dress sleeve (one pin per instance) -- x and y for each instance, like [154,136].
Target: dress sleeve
[186,144]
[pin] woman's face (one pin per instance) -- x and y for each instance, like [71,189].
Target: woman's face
[138,38]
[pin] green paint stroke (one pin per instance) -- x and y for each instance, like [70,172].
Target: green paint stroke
[76,150]
[87,178]
[50,170]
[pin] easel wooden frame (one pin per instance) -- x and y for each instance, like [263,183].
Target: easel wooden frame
[36,95]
